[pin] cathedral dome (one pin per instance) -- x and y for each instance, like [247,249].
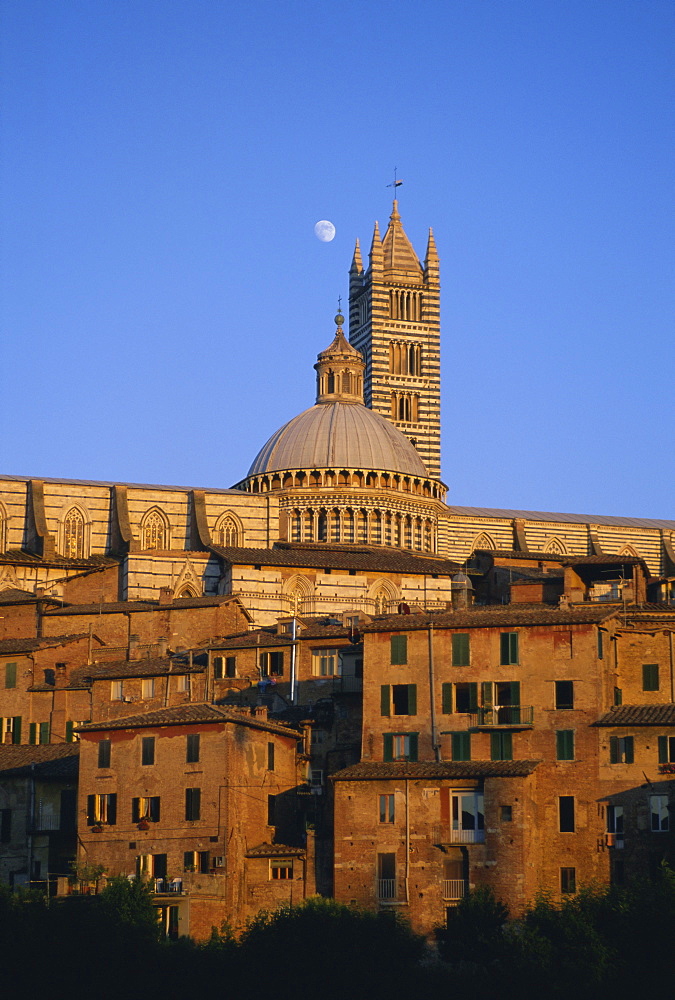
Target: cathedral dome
[338,435]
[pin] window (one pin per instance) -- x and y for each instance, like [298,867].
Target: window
[148,750]
[386,876]
[650,677]
[270,756]
[568,880]
[466,697]
[193,801]
[218,662]
[192,749]
[153,531]
[71,735]
[658,806]
[148,687]
[73,534]
[315,778]
[399,649]
[566,813]
[281,869]
[564,744]
[271,664]
[501,746]
[5,826]
[403,700]
[400,746]
[601,645]
[501,702]
[10,675]
[117,690]
[151,865]
[44,733]
[506,813]
[508,648]
[387,808]
[460,650]
[618,696]
[230,666]
[197,861]
[145,809]
[621,750]
[104,753]
[182,683]
[102,809]
[461,746]
[10,729]
[615,820]
[666,749]
[271,809]
[564,694]
[468,818]
[326,662]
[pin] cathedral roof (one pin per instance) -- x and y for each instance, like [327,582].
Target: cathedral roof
[338,435]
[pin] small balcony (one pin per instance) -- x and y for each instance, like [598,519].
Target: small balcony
[453,889]
[347,684]
[387,889]
[503,717]
[443,833]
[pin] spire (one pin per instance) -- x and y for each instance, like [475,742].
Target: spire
[357,262]
[376,253]
[431,262]
[399,256]
[339,370]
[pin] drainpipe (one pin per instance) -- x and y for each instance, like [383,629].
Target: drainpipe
[672,666]
[407,845]
[293,649]
[435,746]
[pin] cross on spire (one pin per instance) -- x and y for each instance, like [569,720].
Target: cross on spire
[396,183]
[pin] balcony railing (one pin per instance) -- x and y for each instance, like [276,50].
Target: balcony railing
[46,823]
[504,715]
[454,888]
[442,833]
[348,684]
[387,888]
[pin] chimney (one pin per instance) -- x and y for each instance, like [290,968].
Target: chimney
[162,645]
[259,711]
[165,596]
[133,651]
[60,674]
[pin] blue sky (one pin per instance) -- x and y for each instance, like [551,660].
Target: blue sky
[163,298]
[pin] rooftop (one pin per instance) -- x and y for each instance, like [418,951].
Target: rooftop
[373,771]
[639,715]
[188,715]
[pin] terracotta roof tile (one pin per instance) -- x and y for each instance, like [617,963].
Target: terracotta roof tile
[639,715]
[350,557]
[185,715]
[115,607]
[431,769]
[275,851]
[494,615]
[9,646]
[46,761]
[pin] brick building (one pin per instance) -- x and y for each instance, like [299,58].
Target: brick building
[207,801]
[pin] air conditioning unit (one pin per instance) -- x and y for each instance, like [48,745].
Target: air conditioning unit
[610,839]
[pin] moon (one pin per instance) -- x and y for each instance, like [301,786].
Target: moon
[324,231]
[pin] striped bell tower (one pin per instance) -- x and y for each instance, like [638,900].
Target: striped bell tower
[394,320]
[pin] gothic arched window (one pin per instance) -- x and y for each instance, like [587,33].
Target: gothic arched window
[154,531]
[229,534]
[73,534]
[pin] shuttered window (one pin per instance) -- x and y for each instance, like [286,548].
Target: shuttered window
[508,648]
[564,739]
[650,677]
[10,675]
[461,746]
[446,692]
[193,799]
[399,649]
[460,650]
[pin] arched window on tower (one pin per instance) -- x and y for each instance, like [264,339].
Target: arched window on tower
[154,530]
[73,534]
[330,382]
[347,382]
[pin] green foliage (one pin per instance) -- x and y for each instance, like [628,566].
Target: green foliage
[126,906]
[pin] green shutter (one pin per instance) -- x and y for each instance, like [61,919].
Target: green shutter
[399,649]
[629,751]
[10,675]
[90,809]
[413,745]
[446,691]
[495,746]
[460,650]
[44,732]
[412,699]
[486,694]
[504,648]
[613,750]
[461,746]
[16,729]
[32,733]
[385,708]
[388,746]
[69,731]
[112,808]
[513,647]
[515,693]
[618,696]
[663,749]
[565,744]
[473,697]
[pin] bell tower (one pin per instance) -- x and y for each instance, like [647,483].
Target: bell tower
[394,321]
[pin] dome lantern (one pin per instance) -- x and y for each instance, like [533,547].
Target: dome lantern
[339,370]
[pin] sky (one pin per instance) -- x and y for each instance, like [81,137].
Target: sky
[163,296]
